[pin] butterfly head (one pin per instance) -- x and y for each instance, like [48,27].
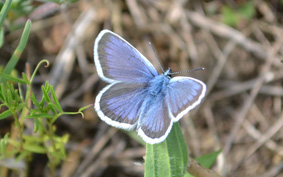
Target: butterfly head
[168,73]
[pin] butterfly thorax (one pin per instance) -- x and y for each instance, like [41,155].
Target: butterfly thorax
[158,84]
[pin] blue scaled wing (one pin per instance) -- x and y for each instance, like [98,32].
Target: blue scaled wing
[118,104]
[155,123]
[182,95]
[117,60]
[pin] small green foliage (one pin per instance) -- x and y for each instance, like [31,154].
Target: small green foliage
[3,145]
[207,160]
[44,112]
[22,104]
[233,17]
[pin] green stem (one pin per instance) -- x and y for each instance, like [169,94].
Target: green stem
[51,133]
[18,124]
[52,164]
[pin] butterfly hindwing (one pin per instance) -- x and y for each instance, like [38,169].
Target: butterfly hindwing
[117,60]
[155,123]
[183,94]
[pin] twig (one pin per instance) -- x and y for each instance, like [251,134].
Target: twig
[229,33]
[246,106]
[64,63]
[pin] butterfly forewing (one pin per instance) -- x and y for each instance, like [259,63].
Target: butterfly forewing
[117,60]
[119,104]
[183,94]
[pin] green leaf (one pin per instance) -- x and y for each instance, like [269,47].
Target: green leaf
[5,114]
[19,50]
[207,160]
[4,11]
[169,158]
[1,37]
[3,145]
[229,16]
[34,148]
[32,139]
[11,78]
[34,100]
[247,10]
[22,155]
[43,115]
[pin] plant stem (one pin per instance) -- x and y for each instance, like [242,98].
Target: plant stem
[20,127]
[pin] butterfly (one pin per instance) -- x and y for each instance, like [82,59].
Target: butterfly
[137,97]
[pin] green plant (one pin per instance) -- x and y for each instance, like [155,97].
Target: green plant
[22,106]
[170,158]
[233,17]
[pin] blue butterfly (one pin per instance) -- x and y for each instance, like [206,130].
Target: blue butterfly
[137,96]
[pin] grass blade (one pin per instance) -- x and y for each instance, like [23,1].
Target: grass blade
[4,11]
[19,50]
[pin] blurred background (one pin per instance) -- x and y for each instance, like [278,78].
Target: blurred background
[238,42]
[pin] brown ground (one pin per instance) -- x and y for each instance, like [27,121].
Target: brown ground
[241,114]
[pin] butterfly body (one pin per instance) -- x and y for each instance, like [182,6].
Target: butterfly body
[137,97]
[158,85]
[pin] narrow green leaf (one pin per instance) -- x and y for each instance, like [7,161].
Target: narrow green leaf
[85,107]
[3,145]
[25,78]
[32,139]
[34,100]
[19,50]
[169,158]
[22,155]
[11,78]
[1,37]
[34,148]
[207,160]
[55,99]
[4,11]
[40,116]
[5,114]
[36,125]
[45,90]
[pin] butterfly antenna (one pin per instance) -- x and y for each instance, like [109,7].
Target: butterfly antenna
[187,71]
[156,56]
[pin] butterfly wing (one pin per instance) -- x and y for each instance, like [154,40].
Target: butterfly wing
[183,94]
[118,104]
[155,124]
[117,60]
